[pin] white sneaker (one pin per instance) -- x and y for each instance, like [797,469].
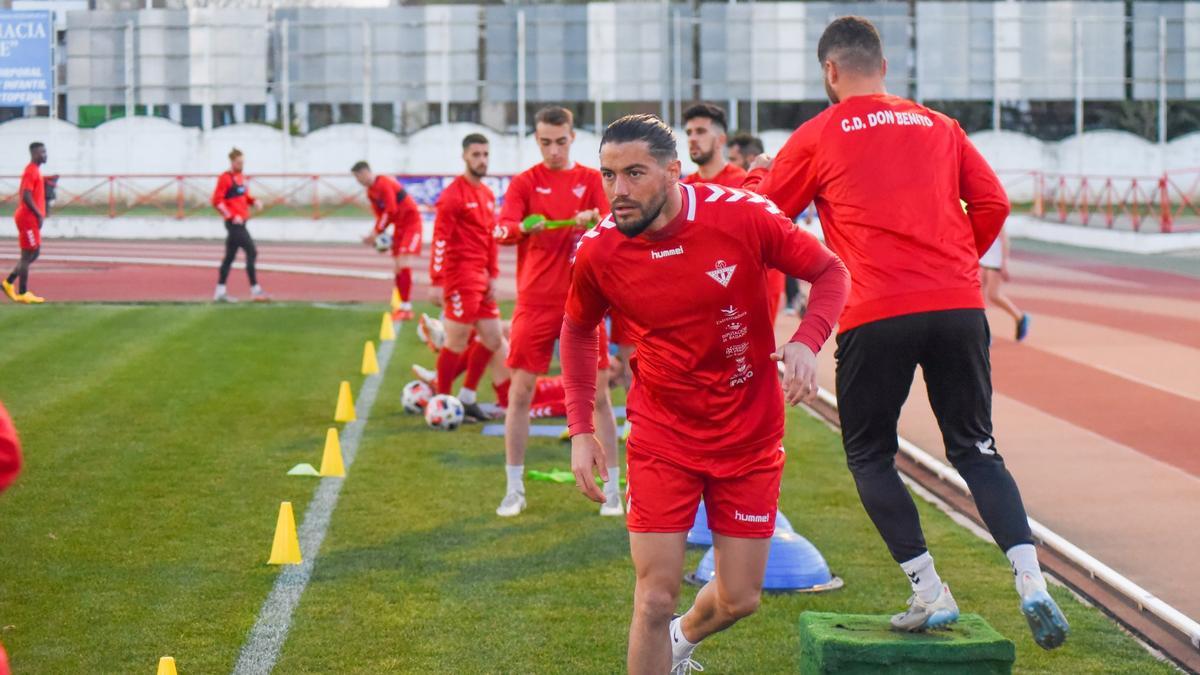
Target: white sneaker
[257,294]
[431,332]
[424,374]
[612,505]
[221,296]
[1046,620]
[513,505]
[921,615]
[681,657]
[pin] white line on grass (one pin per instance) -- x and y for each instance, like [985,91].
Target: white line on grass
[270,630]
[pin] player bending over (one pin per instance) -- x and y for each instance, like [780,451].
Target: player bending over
[887,175]
[233,200]
[557,189]
[465,222]
[685,265]
[393,207]
[31,213]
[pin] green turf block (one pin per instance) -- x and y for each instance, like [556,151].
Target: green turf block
[860,644]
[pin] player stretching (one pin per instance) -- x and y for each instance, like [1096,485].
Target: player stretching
[557,189]
[685,265]
[31,213]
[233,200]
[887,175]
[394,207]
[465,224]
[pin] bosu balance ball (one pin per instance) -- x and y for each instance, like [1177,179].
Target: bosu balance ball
[793,564]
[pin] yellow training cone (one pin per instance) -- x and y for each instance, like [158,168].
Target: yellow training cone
[166,666]
[286,548]
[395,299]
[345,404]
[387,331]
[370,364]
[331,461]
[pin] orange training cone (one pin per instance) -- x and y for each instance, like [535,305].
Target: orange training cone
[331,461]
[386,330]
[345,404]
[166,666]
[286,548]
[370,365]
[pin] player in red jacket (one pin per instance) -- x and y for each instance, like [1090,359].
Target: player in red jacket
[394,208]
[887,175]
[557,189]
[685,265]
[232,199]
[464,228]
[31,213]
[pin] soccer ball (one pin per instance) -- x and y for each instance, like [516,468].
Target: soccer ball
[415,397]
[383,242]
[444,412]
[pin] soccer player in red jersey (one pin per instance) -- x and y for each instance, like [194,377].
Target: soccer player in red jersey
[393,207]
[557,189]
[10,466]
[233,200]
[705,126]
[466,221]
[887,175]
[686,266]
[31,213]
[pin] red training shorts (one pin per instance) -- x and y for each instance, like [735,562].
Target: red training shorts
[531,342]
[29,234]
[407,241]
[469,306]
[740,490]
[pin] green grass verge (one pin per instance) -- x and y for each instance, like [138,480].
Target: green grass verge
[157,440]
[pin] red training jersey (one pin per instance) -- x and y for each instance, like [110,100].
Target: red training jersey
[731,175]
[31,180]
[695,293]
[466,220]
[10,450]
[544,258]
[390,208]
[887,175]
[232,197]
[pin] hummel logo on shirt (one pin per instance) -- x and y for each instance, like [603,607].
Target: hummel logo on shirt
[542,190]
[655,255]
[722,274]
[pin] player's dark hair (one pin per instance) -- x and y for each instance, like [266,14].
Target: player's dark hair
[852,42]
[472,139]
[648,128]
[707,110]
[748,143]
[234,154]
[554,116]
[35,145]
[360,165]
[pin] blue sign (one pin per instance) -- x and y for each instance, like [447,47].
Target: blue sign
[25,75]
[425,190]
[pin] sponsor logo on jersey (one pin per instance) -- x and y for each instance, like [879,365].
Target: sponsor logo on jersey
[579,190]
[543,191]
[735,334]
[723,273]
[729,314]
[751,517]
[666,253]
[737,350]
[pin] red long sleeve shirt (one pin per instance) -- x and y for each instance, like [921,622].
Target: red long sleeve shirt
[231,197]
[886,175]
[695,292]
[731,175]
[390,208]
[466,220]
[544,258]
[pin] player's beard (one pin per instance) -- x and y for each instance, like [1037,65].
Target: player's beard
[649,211]
[477,172]
[700,157]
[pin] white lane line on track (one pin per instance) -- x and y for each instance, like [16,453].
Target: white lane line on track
[265,642]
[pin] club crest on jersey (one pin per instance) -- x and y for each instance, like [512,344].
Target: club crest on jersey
[723,273]
[578,191]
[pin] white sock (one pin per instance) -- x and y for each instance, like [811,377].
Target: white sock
[681,648]
[406,305]
[924,579]
[516,477]
[613,484]
[256,289]
[220,289]
[467,396]
[1025,563]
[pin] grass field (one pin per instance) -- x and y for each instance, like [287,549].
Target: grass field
[157,441]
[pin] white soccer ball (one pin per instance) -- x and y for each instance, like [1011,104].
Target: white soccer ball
[383,242]
[415,397]
[444,412]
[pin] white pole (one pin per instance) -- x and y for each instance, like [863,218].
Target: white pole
[129,93]
[1078,77]
[678,68]
[995,73]
[599,114]
[53,69]
[1162,80]
[664,72]
[520,88]
[366,103]
[284,86]
[446,70]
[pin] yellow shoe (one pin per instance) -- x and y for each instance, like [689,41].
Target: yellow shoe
[30,299]
[9,290]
